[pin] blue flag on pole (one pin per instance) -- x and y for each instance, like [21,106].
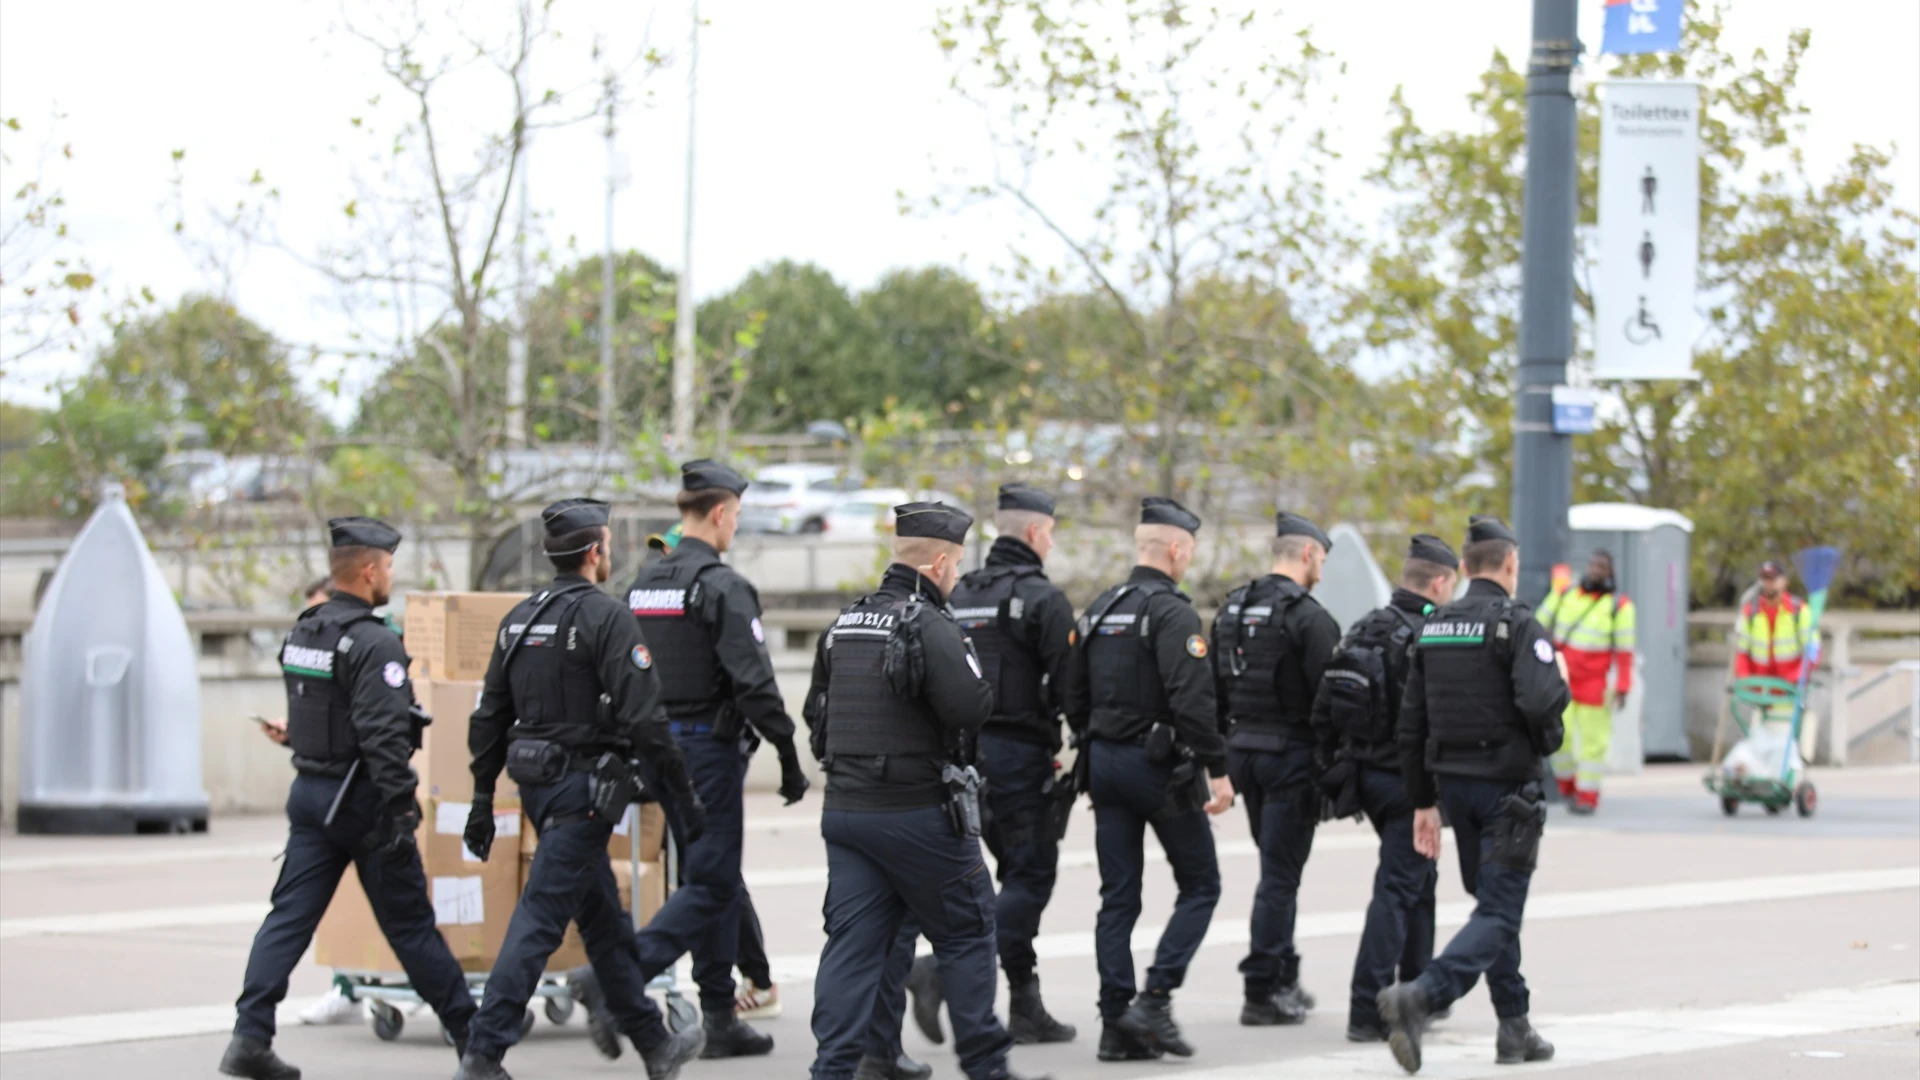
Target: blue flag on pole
[1642,26]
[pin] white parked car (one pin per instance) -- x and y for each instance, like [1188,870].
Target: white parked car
[794,498]
[869,513]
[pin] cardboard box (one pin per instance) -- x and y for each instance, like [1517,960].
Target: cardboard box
[572,952]
[653,834]
[450,635]
[444,762]
[470,897]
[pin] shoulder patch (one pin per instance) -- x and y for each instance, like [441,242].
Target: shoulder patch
[642,657]
[759,631]
[1196,646]
[1543,650]
[1073,636]
[393,674]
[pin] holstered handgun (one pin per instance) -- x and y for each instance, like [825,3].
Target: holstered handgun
[612,786]
[963,799]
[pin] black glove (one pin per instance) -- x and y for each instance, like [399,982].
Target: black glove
[479,833]
[396,840]
[693,818]
[793,781]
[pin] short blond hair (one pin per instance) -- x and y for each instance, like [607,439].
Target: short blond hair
[1150,538]
[917,551]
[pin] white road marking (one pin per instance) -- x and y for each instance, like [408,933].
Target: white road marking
[93,860]
[1608,1037]
[24,1035]
[120,922]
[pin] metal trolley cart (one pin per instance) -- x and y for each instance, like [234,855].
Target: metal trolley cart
[391,999]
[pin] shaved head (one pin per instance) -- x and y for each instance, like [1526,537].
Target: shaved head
[1167,548]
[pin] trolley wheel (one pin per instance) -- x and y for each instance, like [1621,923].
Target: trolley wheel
[1729,805]
[559,1008]
[386,1021]
[526,1023]
[680,1013]
[1805,799]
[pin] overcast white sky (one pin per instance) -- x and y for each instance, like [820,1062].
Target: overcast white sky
[812,115]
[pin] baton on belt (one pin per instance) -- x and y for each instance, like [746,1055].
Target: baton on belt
[353,770]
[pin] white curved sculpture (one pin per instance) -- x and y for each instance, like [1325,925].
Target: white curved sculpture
[1351,583]
[110,693]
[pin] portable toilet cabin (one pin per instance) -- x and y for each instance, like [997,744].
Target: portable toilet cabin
[110,687]
[1650,549]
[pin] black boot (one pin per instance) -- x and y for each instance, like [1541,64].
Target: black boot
[1028,1020]
[254,1058]
[1363,1032]
[1117,1045]
[729,1037]
[902,1068]
[1403,1008]
[475,1067]
[1294,994]
[1269,1010]
[1518,1042]
[923,983]
[1150,1019]
[664,1061]
[586,990]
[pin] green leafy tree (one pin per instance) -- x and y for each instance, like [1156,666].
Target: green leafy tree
[1804,425]
[815,356]
[1195,250]
[937,343]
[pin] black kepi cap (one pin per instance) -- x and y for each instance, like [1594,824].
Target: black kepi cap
[572,515]
[1018,496]
[932,519]
[704,473]
[1290,524]
[1430,548]
[363,532]
[1161,510]
[1487,527]
[1772,568]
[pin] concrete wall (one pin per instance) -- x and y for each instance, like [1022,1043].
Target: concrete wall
[242,771]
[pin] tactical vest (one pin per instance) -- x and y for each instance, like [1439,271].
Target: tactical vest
[865,718]
[313,660]
[554,676]
[989,606]
[1252,645]
[1122,671]
[669,599]
[1364,680]
[1473,726]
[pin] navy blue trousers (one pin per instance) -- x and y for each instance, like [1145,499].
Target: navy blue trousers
[1129,793]
[1490,942]
[571,880]
[881,868]
[1283,809]
[317,855]
[1020,836]
[703,915]
[1398,936]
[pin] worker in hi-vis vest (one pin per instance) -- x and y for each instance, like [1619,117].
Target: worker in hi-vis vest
[1592,624]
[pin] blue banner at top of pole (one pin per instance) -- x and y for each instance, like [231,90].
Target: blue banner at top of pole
[1642,26]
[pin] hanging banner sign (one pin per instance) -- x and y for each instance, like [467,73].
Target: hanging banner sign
[1642,26]
[1644,322]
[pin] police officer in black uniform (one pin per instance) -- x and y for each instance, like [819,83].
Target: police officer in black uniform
[702,621]
[1355,718]
[570,695]
[897,695]
[1140,699]
[1481,710]
[353,726]
[1021,625]
[1271,642]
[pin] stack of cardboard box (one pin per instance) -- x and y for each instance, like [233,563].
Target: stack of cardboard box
[450,637]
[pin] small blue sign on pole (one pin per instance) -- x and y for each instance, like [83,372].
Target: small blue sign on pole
[1643,26]
[1572,410]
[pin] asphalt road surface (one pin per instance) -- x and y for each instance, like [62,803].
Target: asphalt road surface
[1663,940]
